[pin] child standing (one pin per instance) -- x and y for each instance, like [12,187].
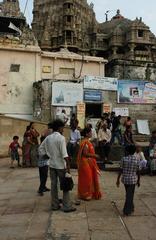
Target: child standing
[13,151]
[129,169]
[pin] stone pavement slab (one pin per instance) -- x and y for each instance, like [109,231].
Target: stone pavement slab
[142,227]
[26,216]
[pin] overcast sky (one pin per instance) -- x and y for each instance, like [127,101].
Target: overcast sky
[129,9]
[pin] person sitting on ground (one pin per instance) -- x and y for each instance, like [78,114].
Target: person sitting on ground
[13,151]
[130,171]
[141,158]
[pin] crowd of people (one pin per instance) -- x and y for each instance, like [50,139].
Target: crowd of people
[55,154]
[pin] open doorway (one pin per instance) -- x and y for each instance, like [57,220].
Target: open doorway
[93,110]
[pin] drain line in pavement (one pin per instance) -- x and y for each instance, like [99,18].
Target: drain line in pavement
[121,220]
[89,230]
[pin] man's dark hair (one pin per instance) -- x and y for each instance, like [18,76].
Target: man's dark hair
[130,149]
[56,124]
[50,125]
[89,125]
[15,137]
[85,131]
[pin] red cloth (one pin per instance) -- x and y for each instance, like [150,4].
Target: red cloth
[88,171]
[14,146]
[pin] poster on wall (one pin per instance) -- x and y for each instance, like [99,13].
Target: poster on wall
[136,91]
[81,110]
[143,127]
[107,108]
[100,83]
[66,93]
[123,112]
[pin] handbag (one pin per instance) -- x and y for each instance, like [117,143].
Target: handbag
[66,183]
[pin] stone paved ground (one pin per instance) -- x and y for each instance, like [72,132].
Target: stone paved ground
[26,216]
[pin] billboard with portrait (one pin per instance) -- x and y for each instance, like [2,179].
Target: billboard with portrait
[136,91]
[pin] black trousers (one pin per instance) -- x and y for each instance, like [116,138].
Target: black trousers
[43,172]
[129,205]
[104,150]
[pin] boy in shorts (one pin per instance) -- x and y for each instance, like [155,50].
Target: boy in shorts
[13,151]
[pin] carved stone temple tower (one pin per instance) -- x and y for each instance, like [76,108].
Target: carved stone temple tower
[126,44]
[10,8]
[14,29]
[63,23]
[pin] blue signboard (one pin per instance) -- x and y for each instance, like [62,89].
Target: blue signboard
[92,95]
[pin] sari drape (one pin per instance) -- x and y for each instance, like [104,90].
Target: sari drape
[88,173]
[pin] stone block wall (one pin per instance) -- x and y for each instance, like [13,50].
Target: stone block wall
[12,126]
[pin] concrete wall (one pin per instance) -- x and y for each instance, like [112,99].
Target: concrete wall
[16,91]
[16,96]
[11,126]
[64,59]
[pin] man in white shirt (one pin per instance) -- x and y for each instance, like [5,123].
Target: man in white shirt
[104,138]
[55,147]
[63,117]
[73,144]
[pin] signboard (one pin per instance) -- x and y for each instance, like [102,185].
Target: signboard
[66,93]
[124,112]
[143,127]
[81,109]
[100,83]
[107,108]
[136,91]
[46,69]
[92,95]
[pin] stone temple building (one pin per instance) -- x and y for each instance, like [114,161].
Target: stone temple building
[13,26]
[129,45]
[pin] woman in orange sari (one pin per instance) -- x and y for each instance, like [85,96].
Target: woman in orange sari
[88,171]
